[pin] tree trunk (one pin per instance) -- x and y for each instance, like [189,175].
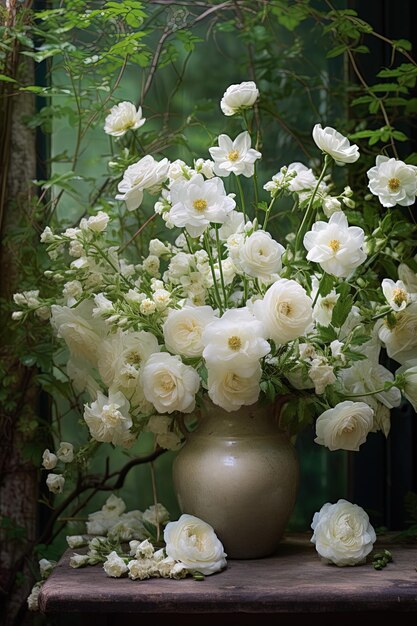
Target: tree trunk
[18,477]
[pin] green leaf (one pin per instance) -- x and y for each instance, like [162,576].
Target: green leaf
[7,79]
[337,51]
[326,334]
[342,307]
[326,284]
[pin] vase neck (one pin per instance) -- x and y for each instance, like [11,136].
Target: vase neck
[248,420]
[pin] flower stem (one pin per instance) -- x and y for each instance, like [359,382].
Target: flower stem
[219,257]
[242,197]
[268,211]
[309,211]
[213,273]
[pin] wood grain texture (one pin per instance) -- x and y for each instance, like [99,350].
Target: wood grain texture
[292,581]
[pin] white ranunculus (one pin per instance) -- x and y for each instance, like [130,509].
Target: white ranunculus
[395,294]
[235,156]
[195,544]
[345,427]
[141,569]
[169,384]
[198,202]
[49,459]
[342,534]
[230,387]
[409,369]
[147,174]
[65,452]
[108,419]
[97,223]
[123,117]
[335,245]
[400,340]
[184,327]
[393,181]
[114,565]
[260,256]
[322,374]
[238,97]
[55,483]
[286,311]
[78,329]
[335,145]
[237,339]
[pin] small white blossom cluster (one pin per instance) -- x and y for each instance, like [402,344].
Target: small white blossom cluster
[45,569]
[64,454]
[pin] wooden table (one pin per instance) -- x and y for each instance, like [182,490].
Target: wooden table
[292,587]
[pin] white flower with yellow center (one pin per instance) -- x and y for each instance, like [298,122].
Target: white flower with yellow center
[232,387]
[342,534]
[198,202]
[400,335]
[324,305]
[239,97]
[169,384]
[236,339]
[335,245]
[184,327]
[393,181]
[108,419]
[335,145]
[345,427]
[409,370]
[123,117]
[368,376]
[147,174]
[286,311]
[234,156]
[396,294]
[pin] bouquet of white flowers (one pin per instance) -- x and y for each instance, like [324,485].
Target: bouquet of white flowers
[222,309]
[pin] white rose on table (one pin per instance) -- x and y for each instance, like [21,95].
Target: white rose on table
[342,534]
[286,311]
[335,145]
[237,97]
[345,427]
[114,565]
[169,384]
[195,544]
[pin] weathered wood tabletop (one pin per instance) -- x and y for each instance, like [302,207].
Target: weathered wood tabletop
[293,583]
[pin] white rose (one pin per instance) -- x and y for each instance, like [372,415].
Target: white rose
[345,427]
[260,256]
[322,374]
[98,222]
[65,452]
[408,277]
[55,483]
[46,567]
[158,248]
[368,376]
[169,384]
[335,245]
[286,311]
[79,560]
[237,340]
[75,541]
[232,387]
[401,339]
[147,174]
[114,565]
[342,534]
[123,117]
[184,327]
[49,459]
[330,205]
[335,145]
[238,97]
[78,329]
[108,419]
[393,181]
[33,597]
[142,569]
[195,544]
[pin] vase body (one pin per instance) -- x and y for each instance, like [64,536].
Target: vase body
[239,473]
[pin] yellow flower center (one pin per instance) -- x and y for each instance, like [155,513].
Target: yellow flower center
[234,343]
[233,155]
[200,205]
[399,296]
[334,245]
[167,384]
[394,184]
[284,308]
